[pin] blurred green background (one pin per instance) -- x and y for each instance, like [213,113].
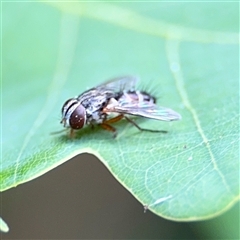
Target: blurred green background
[81,199]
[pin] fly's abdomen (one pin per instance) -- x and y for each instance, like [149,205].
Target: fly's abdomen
[136,97]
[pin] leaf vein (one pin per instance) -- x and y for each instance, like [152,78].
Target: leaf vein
[65,57]
[129,19]
[172,48]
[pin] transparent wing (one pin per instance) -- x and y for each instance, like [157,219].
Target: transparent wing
[144,109]
[108,89]
[119,84]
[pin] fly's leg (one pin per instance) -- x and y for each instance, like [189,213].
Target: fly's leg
[72,133]
[143,129]
[110,128]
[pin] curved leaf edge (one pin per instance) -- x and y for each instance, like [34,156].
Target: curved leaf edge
[145,205]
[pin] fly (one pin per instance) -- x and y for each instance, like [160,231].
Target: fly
[111,102]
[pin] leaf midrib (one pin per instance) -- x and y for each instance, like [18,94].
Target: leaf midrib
[172,51]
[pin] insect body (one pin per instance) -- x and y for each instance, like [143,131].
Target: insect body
[110,102]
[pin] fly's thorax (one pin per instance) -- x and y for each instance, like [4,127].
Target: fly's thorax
[73,114]
[112,103]
[94,101]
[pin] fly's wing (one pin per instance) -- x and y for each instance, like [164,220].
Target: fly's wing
[144,109]
[108,89]
[119,84]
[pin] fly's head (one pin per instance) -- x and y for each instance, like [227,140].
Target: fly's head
[73,114]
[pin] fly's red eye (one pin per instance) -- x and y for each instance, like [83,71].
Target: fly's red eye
[78,117]
[70,102]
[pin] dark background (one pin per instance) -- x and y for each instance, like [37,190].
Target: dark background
[81,199]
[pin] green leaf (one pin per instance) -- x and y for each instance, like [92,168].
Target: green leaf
[186,54]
